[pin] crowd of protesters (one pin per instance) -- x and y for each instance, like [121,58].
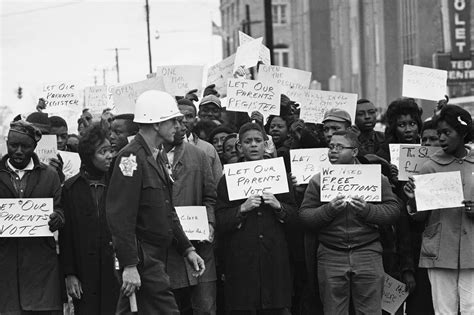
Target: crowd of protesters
[291,253]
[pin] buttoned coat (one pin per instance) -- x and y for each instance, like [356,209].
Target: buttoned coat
[30,265]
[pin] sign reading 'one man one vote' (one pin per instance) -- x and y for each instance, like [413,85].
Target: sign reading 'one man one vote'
[179,79]
[251,95]
[351,180]
[256,177]
[25,217]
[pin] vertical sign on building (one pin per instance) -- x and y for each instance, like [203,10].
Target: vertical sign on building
[460,28]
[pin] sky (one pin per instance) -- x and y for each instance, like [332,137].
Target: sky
[49,41]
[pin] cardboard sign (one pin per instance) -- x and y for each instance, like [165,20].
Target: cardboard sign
[305,163]
[250,53]
[438,191]
[194,222]
[395,153]
[179,80]
[96,98]
[219,73]
[61,95]
[316,103]
[394,294]
[424,83]
[25,217]
[251,95]
[351,180]
[412,158]
[252,178]
[289,79]
[72,163]
[47,148]
[125,96]
[264,51]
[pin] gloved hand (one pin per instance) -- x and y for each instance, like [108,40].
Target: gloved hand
[211,90]
[56,221]
[192,96]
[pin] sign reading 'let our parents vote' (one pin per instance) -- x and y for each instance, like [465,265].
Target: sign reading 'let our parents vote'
[25,217]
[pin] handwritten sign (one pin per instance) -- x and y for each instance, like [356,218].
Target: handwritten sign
[194,222]
[96,98]
[61,95]
[289,79]
[219,73]
[316,103]
[72,163]
[351,180]
[395,153]
[305,163]
[412,157]
[251,95]
[263,52]
[25,217]
[179,80]
[438,191]
[394,294]
[252,178]
[424,83]
[125,96]
[47,148]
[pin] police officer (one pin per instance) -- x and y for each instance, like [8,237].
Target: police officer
[140,213]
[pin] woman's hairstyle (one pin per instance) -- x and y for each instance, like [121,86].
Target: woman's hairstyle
[397,108]
[287,119]
[93,136]
[249,126]
[459,119]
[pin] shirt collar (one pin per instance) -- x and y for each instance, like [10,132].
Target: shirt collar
[29,167]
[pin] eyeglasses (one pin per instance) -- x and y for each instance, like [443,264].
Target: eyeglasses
[338,147]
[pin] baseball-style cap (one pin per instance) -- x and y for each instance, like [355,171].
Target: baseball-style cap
[337,114]
[211,99]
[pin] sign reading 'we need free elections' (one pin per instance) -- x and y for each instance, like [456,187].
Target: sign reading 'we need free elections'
[22,217]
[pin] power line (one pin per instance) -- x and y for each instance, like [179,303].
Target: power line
[40,9]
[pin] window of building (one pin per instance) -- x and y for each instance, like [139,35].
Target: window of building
[280,13]
[281,56]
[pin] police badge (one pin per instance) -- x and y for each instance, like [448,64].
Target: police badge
[128,165]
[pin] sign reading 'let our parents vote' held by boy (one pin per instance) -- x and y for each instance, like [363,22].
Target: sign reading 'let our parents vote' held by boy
[256,177]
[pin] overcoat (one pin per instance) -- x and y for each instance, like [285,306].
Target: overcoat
[257,266]
[86,249]
[30,265]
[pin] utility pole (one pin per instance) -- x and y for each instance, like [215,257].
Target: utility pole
[248,30]
[117,61]
[147,8]
[269,27]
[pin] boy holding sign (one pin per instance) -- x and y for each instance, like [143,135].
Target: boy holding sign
[350,253]
[257,265]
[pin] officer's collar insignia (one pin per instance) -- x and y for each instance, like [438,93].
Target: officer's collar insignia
[128,165]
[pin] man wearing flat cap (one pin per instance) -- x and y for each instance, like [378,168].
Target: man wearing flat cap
[334,120]
[30,275]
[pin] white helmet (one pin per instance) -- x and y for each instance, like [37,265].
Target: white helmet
[155,106]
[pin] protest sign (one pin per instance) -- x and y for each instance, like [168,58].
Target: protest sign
[194,222]
[21,217]
[263,52]
[289,79]
[438,191]
[219,73]
[351,180]
[96,98]
[424,83]
[179,80]
[250,53]
[394,294]
[71,163]
[247,179]
[125,96]
[412,158]
[395,153]
[47,148]
[61,95]
[305,163]
[316,103]
[251,95]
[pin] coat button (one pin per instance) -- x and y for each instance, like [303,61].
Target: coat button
[259,213]
[260,236]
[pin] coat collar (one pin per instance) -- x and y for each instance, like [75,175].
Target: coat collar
[440,157]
